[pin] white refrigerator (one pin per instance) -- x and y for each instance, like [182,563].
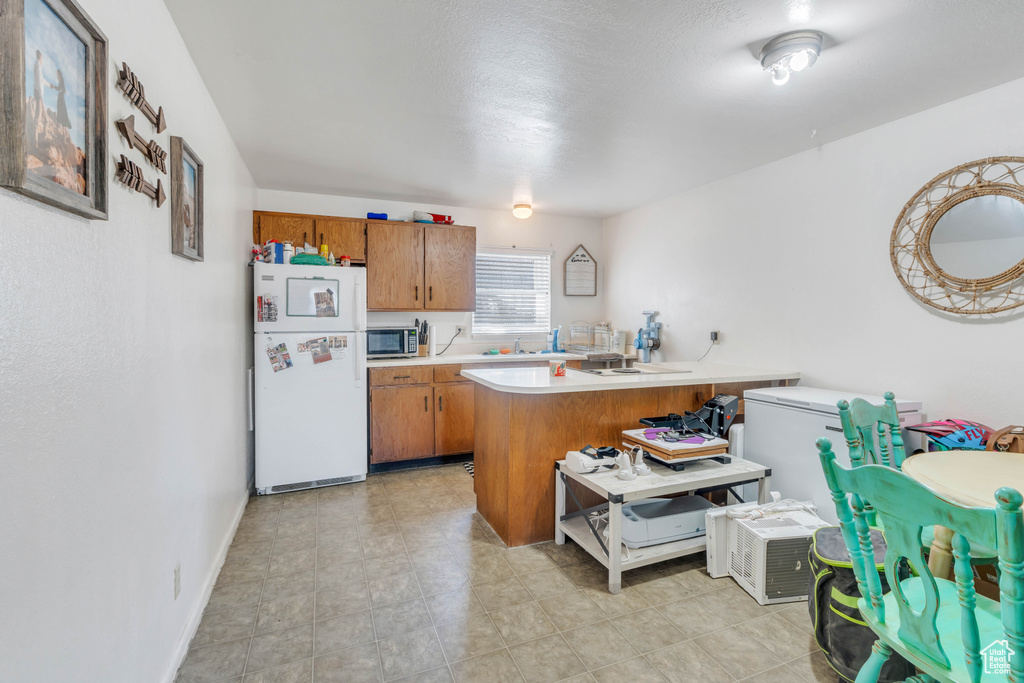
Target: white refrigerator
[310,359]
[781,426]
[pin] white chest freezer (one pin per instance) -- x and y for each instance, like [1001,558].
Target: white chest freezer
[781,425]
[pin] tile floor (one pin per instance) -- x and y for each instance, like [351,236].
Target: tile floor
[398,578]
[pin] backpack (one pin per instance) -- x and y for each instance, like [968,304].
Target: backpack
[839,628]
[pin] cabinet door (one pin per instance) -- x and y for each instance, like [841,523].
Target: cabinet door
[401,423]
[450,265]
[286,228]
[394,266]
[453,419]
[342,237]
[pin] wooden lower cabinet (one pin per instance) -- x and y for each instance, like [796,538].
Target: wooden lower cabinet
[402,424]
[453,418]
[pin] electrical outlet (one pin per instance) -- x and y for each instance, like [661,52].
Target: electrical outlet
[177,580]
[714,336]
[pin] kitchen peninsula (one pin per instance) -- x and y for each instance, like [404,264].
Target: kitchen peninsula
[526,420]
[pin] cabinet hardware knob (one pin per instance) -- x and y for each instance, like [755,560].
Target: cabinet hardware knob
[417,292]
[403,377]
[440,403]
[431,292]
[425,408]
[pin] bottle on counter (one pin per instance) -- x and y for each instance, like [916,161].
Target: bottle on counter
[345,261]
[289,251]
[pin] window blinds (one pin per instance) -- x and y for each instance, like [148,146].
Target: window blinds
[513,293]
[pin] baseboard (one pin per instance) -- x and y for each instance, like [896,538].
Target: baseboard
[181,649]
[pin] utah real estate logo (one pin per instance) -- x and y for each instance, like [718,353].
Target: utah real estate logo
[996,657]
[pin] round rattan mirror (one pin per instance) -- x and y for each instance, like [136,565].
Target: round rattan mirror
[958,244]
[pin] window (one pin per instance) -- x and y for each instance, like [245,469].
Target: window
[513,292]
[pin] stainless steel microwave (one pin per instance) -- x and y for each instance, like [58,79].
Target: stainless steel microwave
[391,342]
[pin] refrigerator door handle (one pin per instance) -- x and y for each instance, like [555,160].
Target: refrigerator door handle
[355,307]
[355,361]
[252,406]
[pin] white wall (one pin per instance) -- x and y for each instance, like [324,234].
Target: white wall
[791,262]
[494,229]
[122,395]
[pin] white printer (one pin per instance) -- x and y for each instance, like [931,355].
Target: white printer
[661,520]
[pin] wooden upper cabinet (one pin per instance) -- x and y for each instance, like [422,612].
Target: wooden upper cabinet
[394,266]
[284,227]
[453,418]
[343,237]
[449,259]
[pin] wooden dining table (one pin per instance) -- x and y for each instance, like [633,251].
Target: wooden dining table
[970,478]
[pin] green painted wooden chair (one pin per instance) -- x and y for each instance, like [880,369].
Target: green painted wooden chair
[943,627]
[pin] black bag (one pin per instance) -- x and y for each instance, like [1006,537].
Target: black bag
[839,628]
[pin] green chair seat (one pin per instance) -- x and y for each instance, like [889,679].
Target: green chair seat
[987,612]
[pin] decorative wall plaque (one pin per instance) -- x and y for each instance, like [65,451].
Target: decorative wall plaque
[156,155]
[580,273]
[132,87]
[129,173]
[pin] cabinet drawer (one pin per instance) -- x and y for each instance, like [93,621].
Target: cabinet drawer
[449,373]
[383,377]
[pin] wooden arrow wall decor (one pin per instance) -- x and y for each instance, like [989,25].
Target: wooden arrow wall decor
[129,173]
[129,83]
[156,155]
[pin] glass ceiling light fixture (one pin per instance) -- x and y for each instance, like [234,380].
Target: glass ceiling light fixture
[790,52]
[522,210]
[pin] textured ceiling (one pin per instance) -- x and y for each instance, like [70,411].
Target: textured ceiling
[580,107]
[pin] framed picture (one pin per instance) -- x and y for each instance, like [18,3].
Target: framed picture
[186,201]
[53,105]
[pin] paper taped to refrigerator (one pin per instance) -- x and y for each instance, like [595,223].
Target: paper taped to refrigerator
[279,357]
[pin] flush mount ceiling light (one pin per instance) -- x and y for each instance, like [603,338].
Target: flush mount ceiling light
[522,210]
[790,52]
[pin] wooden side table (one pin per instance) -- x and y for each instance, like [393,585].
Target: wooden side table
[698,476]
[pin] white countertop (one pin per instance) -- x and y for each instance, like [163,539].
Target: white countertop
[540,381]
[467,359]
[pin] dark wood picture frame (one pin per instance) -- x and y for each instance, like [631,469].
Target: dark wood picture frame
[181,211]
[15,173]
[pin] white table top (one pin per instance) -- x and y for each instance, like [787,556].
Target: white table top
[662,480]
[970,478]
[540,381]
[471,358]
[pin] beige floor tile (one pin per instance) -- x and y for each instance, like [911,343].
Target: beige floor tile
[359,664]
[290,563]
[496,595]
[587,574]
[546,659]
[390,589]
[383,546]
[658,588]
[485,568]
[648,630]
[443,580]
[280,647]
[298,499]
[410,653]
[733,604]
[612,604]
[780,674]
[692,617]
[571,610]
[686,663]
[287,544]
[333,602]
[339,573]
[737,654]
[241,571]
[235,595]
[339,633]
[432,557]
[297,514]
[528,559]
[814,668]
[248,553]
[214,663]
[565,554]
[781,638]
[696,580]
[522,622]
[469,638]
[493,667]
[439,675]
[636,670]
[284,613]
[392,565]
[796,614]
[296,527]
[401,617]
[295,672]
[278,587]
[599,645]
[460,603]
[547,583]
